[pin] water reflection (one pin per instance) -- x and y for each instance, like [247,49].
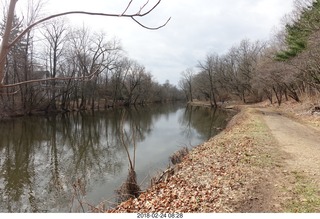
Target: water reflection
[208,122]
[43,159]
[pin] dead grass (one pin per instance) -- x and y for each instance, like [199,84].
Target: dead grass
[297,191]
[179,155]
[129,189]
[221,175]
[301,112]
[242,169]
[306,198]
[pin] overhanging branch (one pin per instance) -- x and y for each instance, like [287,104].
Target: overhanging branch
[88,77]
[6,45]
[133,16]
[151,28]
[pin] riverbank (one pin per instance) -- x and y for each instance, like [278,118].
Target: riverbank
[221,175]
[243,169]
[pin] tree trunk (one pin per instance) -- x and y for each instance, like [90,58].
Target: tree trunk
[278,95]
[4,47]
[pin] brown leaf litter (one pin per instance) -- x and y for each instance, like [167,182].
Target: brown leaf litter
[214,177]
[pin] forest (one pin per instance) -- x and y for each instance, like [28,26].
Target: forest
[56,67]
[285,67]
[73,68]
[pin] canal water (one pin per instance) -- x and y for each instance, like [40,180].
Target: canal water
[69,162]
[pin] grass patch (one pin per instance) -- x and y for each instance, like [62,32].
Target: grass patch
[263,152]
[306,196]
[303,195]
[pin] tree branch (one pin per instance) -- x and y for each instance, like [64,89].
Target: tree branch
[6,45]
[151,28]
[143,7]
[128,6]
[88,77]
[139,14]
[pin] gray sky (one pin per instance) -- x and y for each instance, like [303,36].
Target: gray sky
[197,27]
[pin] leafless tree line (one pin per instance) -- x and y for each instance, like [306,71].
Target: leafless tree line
[224,77]
[251,72]
[58,67]
[33,20]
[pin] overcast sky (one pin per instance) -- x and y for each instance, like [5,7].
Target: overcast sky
[196,28]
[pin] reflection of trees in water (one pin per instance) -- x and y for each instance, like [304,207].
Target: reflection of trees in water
[207,121]
[41,158]
[15,167]
[129,135]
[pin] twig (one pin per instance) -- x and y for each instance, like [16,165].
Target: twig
[151,28]
[145,178]
[123,133]
[128,6]
[141,8]
[166,172]
[11,93]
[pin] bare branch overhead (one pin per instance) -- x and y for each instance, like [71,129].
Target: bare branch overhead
[6,45]
[133,16]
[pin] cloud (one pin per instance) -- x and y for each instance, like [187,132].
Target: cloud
[205,26]
[197,27]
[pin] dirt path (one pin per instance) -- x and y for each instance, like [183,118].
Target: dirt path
[301,142]
[262,162]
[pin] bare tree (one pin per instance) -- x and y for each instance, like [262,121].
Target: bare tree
[6,45]
[55,34]
[208,67]
[186,83]
[133,82]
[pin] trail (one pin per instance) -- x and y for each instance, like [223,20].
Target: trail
[247,168]
[301,142]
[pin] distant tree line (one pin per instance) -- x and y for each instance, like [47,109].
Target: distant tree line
[95,71]
[286,67]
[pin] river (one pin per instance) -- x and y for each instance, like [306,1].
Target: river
[71,161]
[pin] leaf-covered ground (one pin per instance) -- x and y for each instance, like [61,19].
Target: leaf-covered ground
[243,169]
[217,176]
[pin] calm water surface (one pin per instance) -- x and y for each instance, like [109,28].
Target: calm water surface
[52,164]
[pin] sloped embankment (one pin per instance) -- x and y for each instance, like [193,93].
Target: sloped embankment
[236,171]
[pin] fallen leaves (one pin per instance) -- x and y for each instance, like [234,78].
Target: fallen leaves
[211,178]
